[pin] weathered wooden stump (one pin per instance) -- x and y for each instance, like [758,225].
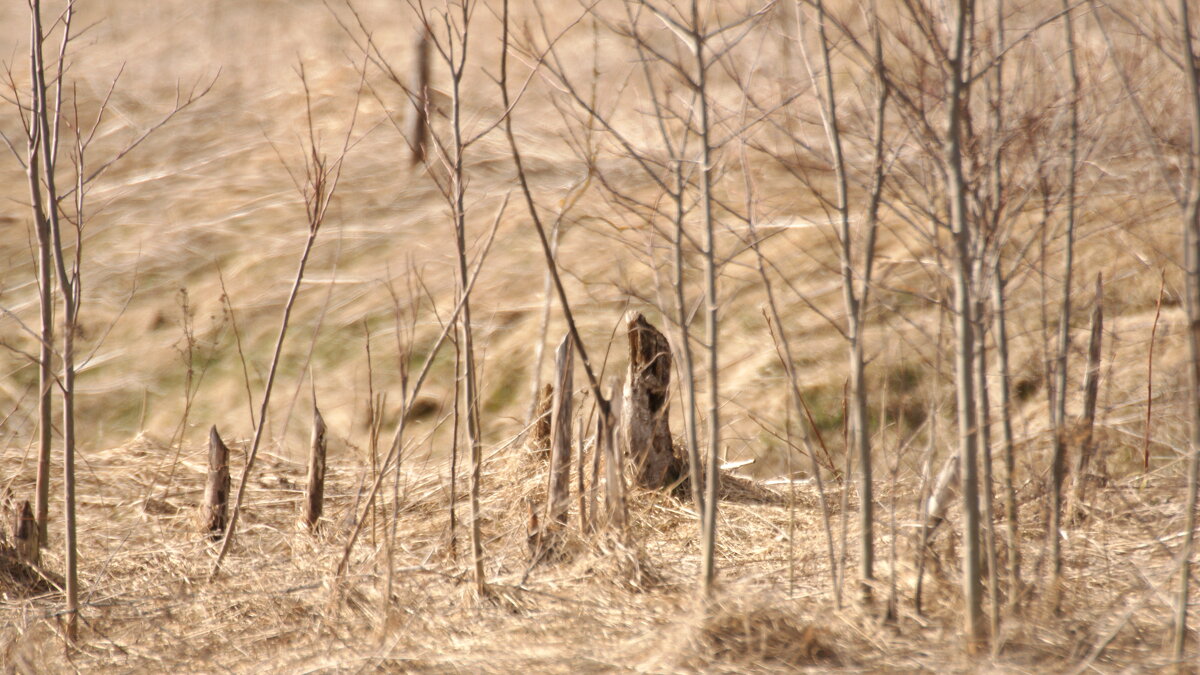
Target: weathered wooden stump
[314,490]
[539,434]
[417,125]
[646,411]
[26,534]
[607,445]
[559,500]
[216,488]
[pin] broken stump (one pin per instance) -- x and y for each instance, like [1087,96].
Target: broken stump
[314,490]
[539,434]
[646,411]
[216,488]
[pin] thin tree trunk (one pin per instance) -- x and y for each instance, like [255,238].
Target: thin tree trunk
[968,432]
[1011,519]
[1059,459]
[46,305]
[69,287]
[860,440]
[711,326]
[687,367]
[70,312]
[230,528]
[985,454]
[1191,237]
[537,391]
[458,204]
[1011,514]
[454,451]
[1091,395]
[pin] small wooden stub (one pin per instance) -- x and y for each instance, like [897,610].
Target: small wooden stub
[560,421]
[216,488]
[539,435]
[314,490]
[26,535]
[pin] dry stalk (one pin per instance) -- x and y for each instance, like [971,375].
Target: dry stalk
[321,181]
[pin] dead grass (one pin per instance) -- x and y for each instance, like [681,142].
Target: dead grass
[598,607]
[210,190]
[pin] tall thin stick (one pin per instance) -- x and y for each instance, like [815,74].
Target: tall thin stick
[1059,459]
[957,88]
[1150,372]
[322,181]
[1191,232]
[1091,394]
[559,500]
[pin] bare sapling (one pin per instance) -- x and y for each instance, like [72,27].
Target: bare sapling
[37,144]
[1059,418]
[606,423]
[712,327]
[58,200]
[957,87]
[783,351]
[984,416]
[318,188]
[855,275]
[1184,186]
[1091,394]
[999,280]
[314,487]
[1011,507]
[455,55]
[216,487]
[926,493]
[391,459]
[1191,237]
[69,286]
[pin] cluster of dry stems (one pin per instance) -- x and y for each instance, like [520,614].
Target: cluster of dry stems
[915,122]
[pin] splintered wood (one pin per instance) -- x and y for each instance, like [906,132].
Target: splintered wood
[539,435]
[645,415]
[216,488]
[314,489]
[26,535]
[560,421]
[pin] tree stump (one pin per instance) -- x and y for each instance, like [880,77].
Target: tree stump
[417,125]
[607,444]
[216,489]
[539,434]
[645,414]
[314,490]
[560,419]
[26,535]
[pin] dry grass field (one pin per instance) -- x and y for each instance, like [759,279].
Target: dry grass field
[190,249]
